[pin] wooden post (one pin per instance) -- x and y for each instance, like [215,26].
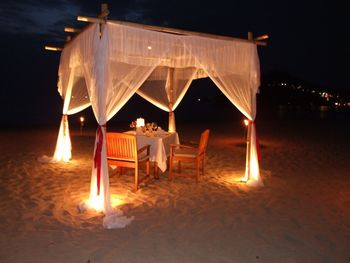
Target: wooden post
[102,18]
[171,124]
[249,132]
[51,48]
[103,15]
[72,30]
[250,36]
[104,11]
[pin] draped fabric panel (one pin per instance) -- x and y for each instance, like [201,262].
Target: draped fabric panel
[156,89]
[123,83]
[79,97]
[229,65]
[90,53]
[63,150]
[234,68]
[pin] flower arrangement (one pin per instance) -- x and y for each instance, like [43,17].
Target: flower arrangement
[133,125]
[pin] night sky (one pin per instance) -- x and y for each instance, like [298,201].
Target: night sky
[308,40]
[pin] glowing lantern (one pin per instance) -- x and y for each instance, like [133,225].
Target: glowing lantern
[82,119]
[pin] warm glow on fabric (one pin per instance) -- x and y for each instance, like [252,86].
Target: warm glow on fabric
[97,202]
[172,125]
[254,171]
[63,145]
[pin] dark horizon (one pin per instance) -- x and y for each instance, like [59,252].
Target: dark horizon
[305,42]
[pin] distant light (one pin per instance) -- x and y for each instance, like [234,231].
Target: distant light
[199,99]
[149,48]
[246,122]
[82,119]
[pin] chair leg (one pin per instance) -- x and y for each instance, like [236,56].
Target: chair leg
[119,171]
[148,168]
[203,165]
[136,178]
[170,168]
[156,171]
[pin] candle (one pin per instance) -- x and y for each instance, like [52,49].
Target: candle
[140,122]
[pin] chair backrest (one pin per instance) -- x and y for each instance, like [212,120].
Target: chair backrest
[121,146]
[203,142]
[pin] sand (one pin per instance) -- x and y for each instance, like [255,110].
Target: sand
[302,214]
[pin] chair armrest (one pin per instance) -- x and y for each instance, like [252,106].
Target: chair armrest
[146,147]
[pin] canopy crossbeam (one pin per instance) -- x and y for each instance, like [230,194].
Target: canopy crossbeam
[102,19]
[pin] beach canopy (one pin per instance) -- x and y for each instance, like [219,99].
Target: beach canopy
[106,64]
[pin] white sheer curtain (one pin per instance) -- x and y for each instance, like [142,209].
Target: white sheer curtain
[234,68]
[166,87]
[72,88]
[106,69]
[110,84]
[156,88]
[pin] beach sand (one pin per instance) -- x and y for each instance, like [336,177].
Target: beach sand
[302,214]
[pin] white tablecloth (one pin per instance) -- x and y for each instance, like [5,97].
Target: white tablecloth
[160,148]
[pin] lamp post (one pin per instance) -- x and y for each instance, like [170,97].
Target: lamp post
[82,119]
[246,124]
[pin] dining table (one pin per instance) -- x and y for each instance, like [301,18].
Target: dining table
[159,141]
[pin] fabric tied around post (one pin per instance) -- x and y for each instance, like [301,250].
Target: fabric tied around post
[97,158]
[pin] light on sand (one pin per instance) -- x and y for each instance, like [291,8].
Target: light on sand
[117,200]
[235,180]
[97,202]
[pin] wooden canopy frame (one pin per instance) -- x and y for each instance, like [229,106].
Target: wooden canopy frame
[102,19]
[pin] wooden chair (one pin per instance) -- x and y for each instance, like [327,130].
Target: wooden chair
[122,152]
[185,153]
